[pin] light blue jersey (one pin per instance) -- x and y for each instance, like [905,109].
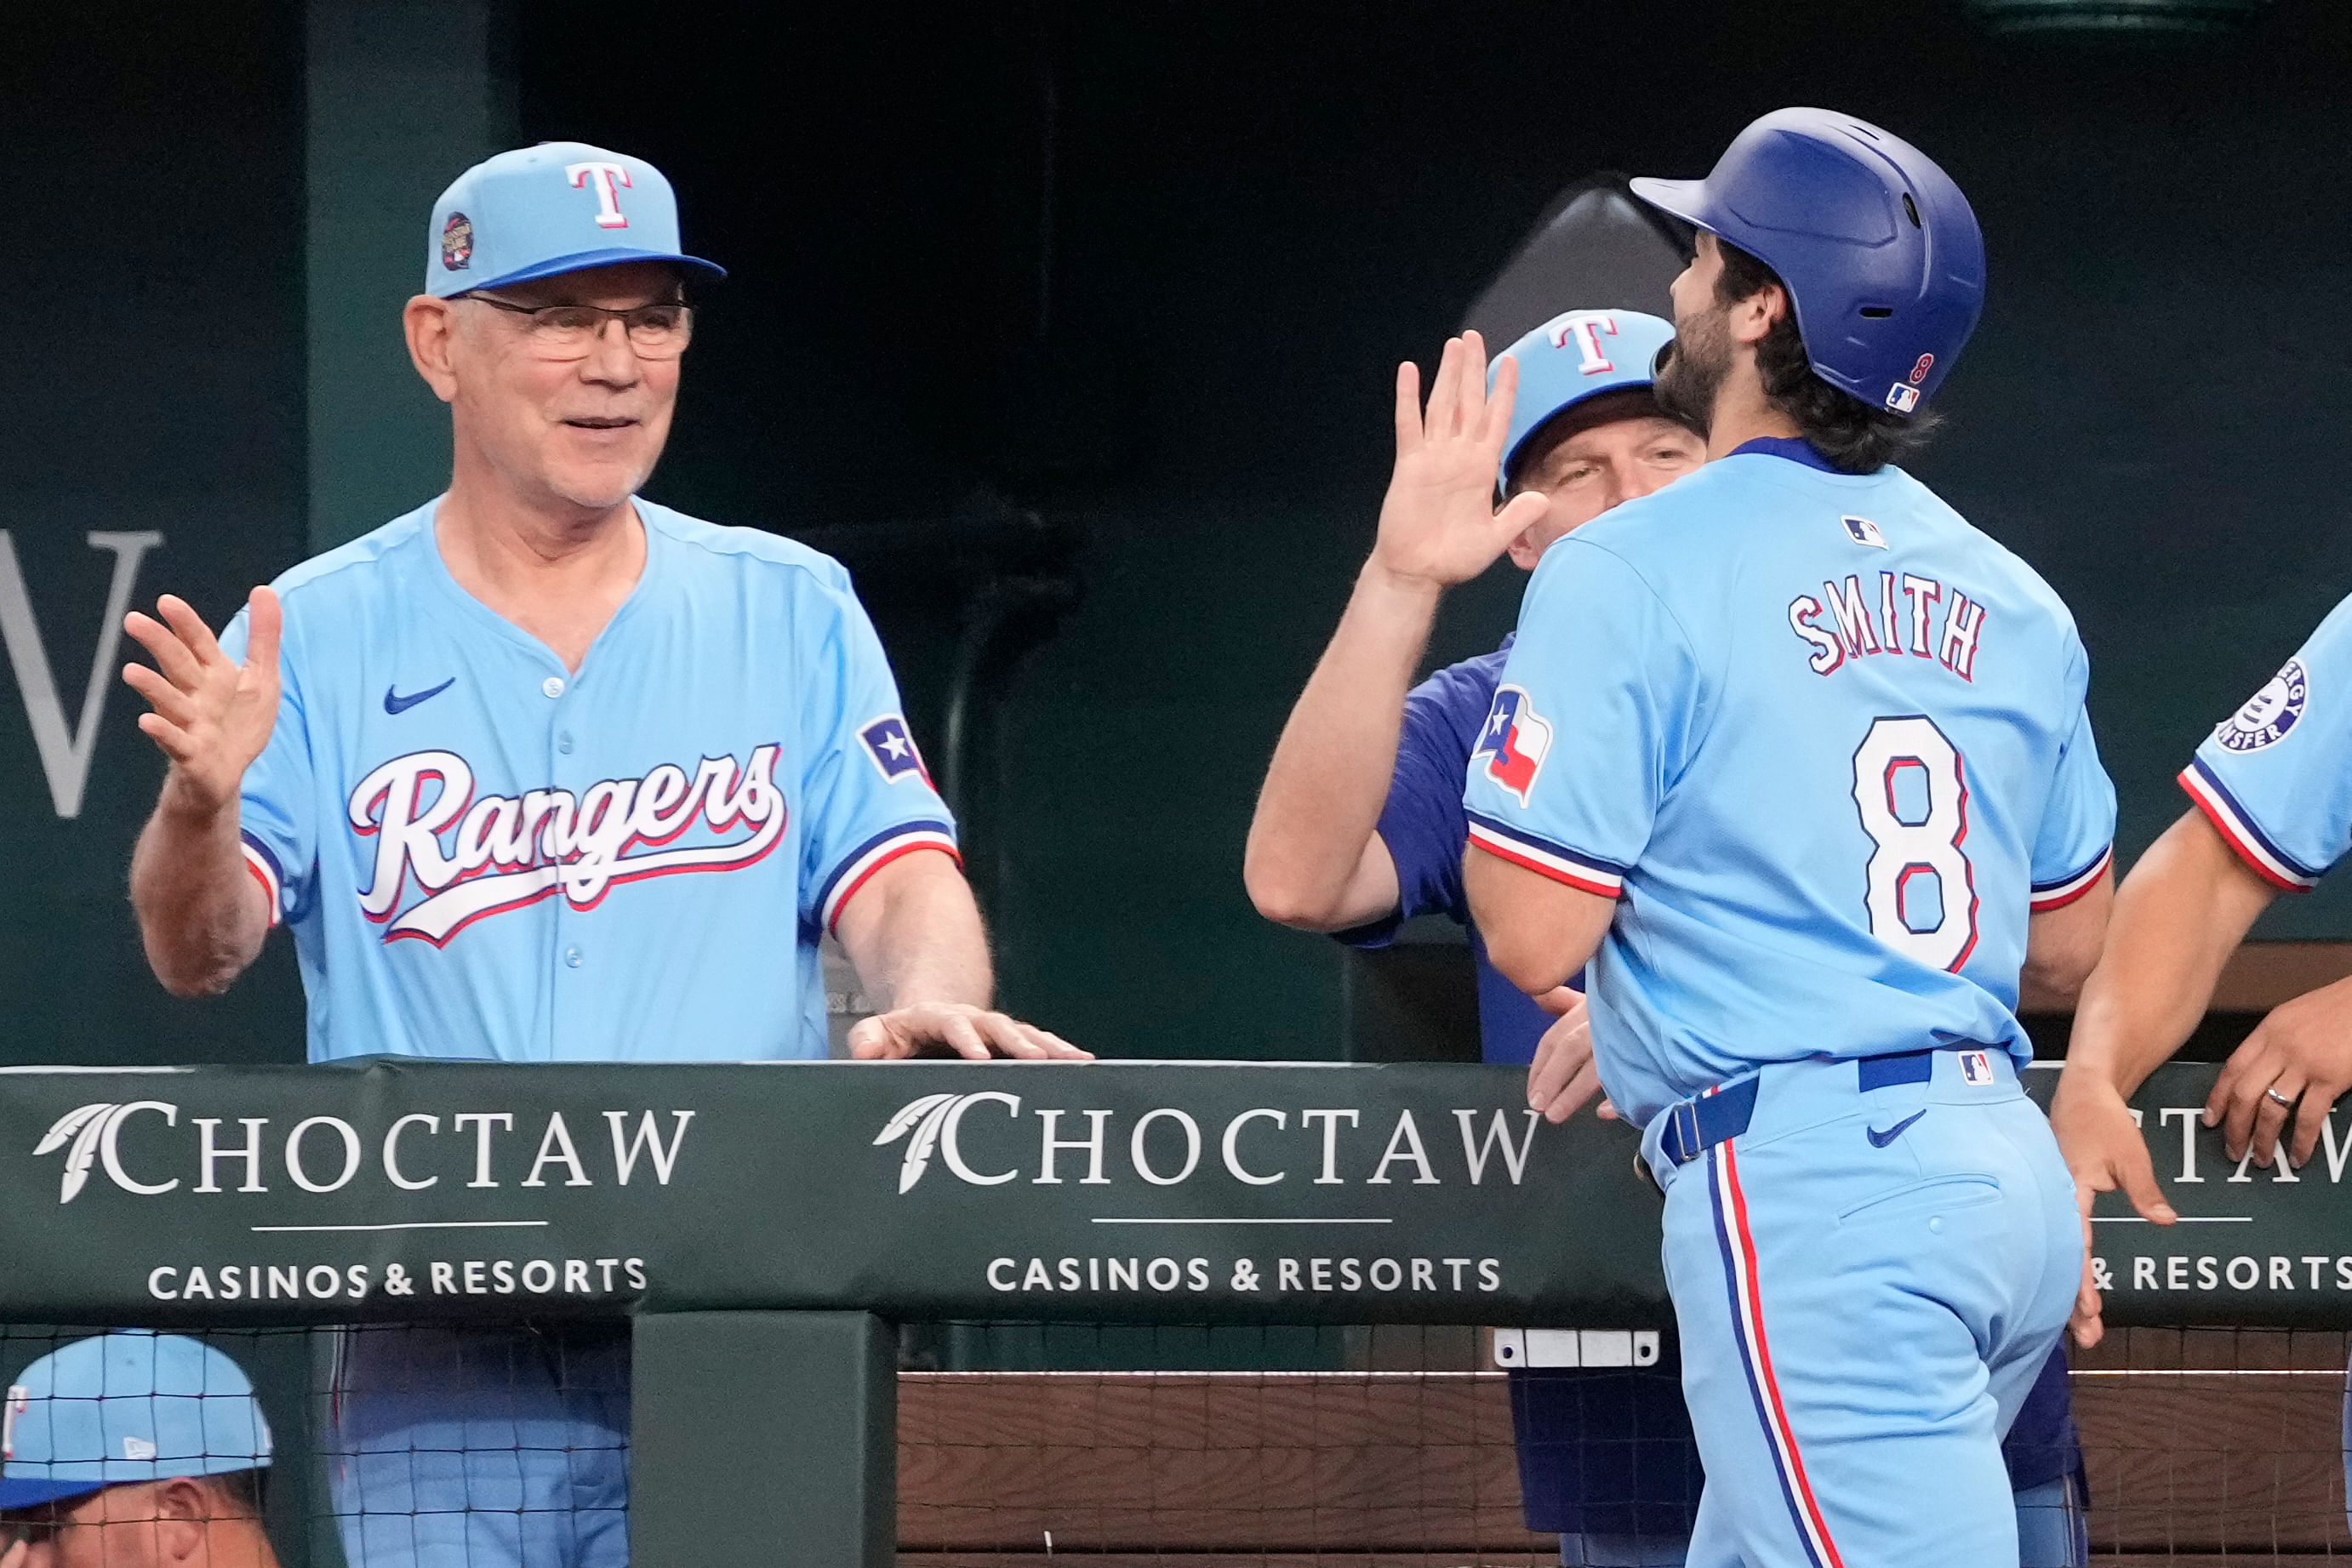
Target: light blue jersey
[2275,776]
[484,854]
[1824,739]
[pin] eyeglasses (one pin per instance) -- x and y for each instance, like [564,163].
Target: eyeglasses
[656,332]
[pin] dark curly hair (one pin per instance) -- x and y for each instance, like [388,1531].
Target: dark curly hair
[1856,437]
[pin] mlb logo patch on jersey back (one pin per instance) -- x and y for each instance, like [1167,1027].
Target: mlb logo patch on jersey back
[1513,742]
[1975,1069]
[893,749]
[1862,531]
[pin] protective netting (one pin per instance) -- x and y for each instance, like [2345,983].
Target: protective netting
[1188,1446]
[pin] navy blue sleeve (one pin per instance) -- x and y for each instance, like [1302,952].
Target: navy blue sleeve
[1422,822]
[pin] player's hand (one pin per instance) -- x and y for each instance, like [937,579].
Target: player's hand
[212,715]
[2106,1153]
[1563,1077]
[2301,1054]
[1438,524]
[941,1029]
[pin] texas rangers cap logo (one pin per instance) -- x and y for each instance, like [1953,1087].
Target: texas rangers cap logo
[1513,742]
[892,749]
[2270,712]
[456,242]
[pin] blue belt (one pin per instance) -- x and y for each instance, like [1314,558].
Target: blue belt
[1703,1121]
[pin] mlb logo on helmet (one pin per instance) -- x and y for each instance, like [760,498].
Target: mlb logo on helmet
[1513,742]
[1902,398]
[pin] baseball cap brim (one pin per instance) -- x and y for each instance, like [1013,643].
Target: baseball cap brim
[582,261]
[22,1493]
[1683,199]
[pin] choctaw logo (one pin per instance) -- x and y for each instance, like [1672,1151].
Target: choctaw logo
[456,242]
[2270,712]
[475,856]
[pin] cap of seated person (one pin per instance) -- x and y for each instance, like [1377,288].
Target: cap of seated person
[123,1407]
[559,207]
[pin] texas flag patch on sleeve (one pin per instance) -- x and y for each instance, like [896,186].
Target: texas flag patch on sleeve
[893,751]
[1513,742]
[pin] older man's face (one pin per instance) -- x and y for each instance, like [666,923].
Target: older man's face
[587,430]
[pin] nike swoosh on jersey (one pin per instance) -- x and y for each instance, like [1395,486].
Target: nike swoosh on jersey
[1880,1140]
[393,703]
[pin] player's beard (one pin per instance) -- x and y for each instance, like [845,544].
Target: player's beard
[1695,370]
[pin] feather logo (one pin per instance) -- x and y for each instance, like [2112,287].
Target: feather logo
[924,1116]
[932,1120]
[85,1126]
[92,1130]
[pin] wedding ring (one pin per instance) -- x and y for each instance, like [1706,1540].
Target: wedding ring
[2280,1098]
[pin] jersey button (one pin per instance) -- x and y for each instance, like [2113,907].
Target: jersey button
[571,956]
[563,743]
[552,686]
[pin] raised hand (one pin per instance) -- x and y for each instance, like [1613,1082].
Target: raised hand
[212,715]
[1438,522]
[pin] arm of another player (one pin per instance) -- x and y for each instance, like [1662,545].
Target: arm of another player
[915,936]
[1539,933]
[2184,907]
[200,916]
[1313,858]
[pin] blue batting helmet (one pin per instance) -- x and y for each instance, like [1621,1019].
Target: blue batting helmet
[1573,357]
[1882,255]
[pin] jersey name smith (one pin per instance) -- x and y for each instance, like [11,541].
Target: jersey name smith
[1906,614]
[477,857]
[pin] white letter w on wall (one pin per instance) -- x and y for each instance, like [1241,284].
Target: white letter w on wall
[65,754]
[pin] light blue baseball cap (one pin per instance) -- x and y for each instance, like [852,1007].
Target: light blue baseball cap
[133,1406]
[1576,356]
[558,207]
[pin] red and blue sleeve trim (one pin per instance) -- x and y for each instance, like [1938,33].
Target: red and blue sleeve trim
[2239,829]
[263,865]
[1584,873]
[2058,894]
[857,868]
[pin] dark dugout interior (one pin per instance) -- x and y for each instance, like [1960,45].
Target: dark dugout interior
[1073,327]
[1146,271]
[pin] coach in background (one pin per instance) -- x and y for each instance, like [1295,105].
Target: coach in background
[1359,827]
[134,1450]
[543,771]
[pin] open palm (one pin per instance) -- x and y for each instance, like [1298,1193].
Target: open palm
[1439,522]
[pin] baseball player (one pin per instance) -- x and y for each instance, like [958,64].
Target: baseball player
[543,771]
[2271,813]
[1359,828]
[1797,761]
[134,1450]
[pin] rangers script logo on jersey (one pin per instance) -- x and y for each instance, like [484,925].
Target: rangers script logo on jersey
[473,858]
[2270,712]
